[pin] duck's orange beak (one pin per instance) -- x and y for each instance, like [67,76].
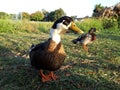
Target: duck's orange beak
[75,28]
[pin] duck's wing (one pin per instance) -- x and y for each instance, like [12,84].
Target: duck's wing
[93,37]
[34,53]
[40,46]
[79,39]
[87,39]
[82,37]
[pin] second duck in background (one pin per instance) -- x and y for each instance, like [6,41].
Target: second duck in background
[85,39]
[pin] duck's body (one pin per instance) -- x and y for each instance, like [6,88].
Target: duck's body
[50,55]
[86,39]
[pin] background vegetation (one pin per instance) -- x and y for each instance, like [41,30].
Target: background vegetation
[36,16]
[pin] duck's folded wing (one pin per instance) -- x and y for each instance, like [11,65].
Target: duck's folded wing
[82,37]
[38,46]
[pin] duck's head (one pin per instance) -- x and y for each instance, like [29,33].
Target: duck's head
[92,30]
[64,23]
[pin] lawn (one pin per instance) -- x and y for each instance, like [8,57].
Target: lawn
[99,69]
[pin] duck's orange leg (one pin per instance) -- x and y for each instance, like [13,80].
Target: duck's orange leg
[85,48]
[45,78]
[52,75]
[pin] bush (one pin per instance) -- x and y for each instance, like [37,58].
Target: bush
[86,24]
[7,26]
[10,26]
[119,22]
[37,16]
[29,26]
[108,23]
[44,26]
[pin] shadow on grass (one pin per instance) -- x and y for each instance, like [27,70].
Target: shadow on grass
[70,81]
[3,51]
[17,74]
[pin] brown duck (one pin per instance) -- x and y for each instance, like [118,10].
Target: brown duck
[50,55]
[85,39]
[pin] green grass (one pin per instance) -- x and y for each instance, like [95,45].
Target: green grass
[99,69]
[10,26]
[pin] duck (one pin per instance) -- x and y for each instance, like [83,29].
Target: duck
[86,38]
[50,54]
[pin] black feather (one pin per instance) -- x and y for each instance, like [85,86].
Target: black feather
[66,21]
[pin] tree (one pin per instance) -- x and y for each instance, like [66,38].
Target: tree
[97,10]
[25,15]
[45,14]
[37,16]
[4,15]
[117,9]
[54,15]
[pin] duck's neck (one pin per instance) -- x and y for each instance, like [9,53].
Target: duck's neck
[55,35]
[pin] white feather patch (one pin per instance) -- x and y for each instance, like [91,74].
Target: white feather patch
[54,34]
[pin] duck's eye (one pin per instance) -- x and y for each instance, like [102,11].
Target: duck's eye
[74,25]
[66,23]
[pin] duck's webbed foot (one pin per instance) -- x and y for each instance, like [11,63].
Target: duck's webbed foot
[85,48]
[53,76]
[45,78]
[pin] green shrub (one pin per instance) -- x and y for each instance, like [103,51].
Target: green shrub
[108,23]
[44,26]
[10,26]
[29,26]
[37,16]
[119,22]
[86,24]
[6,26]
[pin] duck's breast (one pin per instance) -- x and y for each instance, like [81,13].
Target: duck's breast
[87,39]
[55,56]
